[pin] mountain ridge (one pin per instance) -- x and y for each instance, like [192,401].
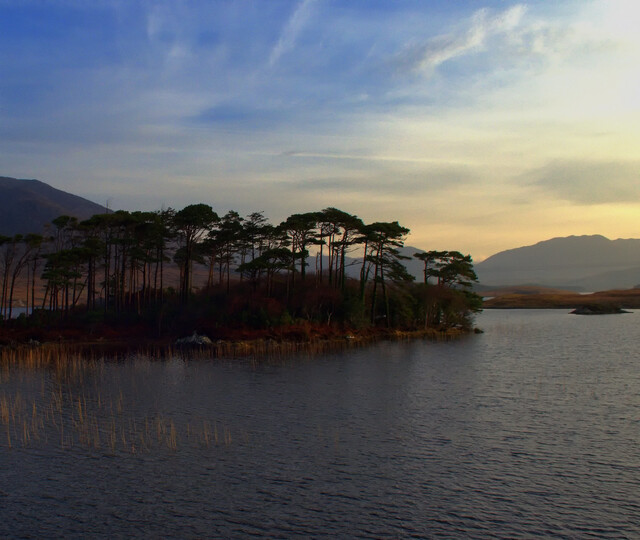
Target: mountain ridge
[585,262]
[577,262]
[27,205]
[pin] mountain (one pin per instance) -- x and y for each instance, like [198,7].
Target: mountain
[27,205]
[587,263]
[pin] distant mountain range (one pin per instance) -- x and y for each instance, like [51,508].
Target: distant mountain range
[581,263]
[27,205]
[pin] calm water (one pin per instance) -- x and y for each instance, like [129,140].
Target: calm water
[530,429]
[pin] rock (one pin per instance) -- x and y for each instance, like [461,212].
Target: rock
[194,340]
[598,309]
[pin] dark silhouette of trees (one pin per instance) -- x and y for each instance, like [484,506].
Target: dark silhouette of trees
[35,244]
[257,237]
[383,243]
[17,253]
[301,230]
[454,276]
[449,268]
[113,265]
[191,224]
[457,270]
[339,231]
[430,259]
[230,241]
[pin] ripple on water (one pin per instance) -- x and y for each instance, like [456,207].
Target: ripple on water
[529,429]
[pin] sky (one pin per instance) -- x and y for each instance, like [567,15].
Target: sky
[480,126]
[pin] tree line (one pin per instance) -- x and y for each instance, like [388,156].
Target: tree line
[315,265]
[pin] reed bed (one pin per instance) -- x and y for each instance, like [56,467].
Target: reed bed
[73,421]
[76,356]
[50,397]
[52,394]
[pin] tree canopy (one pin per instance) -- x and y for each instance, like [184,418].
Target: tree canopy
[236,269]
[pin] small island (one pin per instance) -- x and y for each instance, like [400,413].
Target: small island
[598,309]
[230,284]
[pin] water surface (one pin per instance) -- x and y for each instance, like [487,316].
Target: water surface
[530,429]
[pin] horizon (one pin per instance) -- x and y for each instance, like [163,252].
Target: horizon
[480,127]
[408,245]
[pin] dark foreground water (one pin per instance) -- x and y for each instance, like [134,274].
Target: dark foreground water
[530,429]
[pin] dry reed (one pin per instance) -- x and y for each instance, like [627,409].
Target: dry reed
[57,409]
[55,414]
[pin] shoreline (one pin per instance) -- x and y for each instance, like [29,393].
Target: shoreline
[624,299]
[261,348]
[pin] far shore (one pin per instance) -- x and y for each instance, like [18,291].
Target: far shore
[624,299]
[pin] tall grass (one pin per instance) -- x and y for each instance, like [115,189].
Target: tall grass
[50,397]
[37,422]
[67,407]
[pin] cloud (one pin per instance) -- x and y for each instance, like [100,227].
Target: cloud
[430,109]
[247,116]
[358,157]
[426,57]
[505,46]
[588,182]
[395,183]
[291,31]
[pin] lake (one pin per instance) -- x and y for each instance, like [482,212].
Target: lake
[530,429]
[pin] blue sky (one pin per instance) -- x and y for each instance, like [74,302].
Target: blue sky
[478,125]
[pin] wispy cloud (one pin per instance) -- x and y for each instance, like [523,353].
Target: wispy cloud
[589,182]
[292,30]
[437,50]
[401,182]
[364,157]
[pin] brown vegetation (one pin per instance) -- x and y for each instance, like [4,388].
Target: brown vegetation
[524,289]
[628,298]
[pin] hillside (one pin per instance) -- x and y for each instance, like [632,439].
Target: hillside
[27,205]
[583,263]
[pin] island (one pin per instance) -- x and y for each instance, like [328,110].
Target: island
[598,309]
[162,279]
